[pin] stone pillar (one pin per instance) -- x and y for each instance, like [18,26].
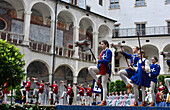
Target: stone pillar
[75,38]
[95,44]
[161,63]
[52,35]
[113,61]
[74,89]
[26,31]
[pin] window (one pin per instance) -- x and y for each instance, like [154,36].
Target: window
[167,1]
[88,8]
[74,2]
[140,28]
[114,4]
[101,2]
[168,27]
[3,24]
[116,31]
[140,2]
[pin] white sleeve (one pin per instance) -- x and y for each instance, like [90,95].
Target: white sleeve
[147,67]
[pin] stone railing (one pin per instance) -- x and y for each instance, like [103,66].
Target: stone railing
[147,31]
[39,46]
[85,56]
[12,37]
[65,52]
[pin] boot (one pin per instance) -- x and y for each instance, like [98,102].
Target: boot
[4,103]
[142,104]
[103,103]
[68,104]
[152,104]
[49,99]
[33,96]
[99,83]
[129,86]
[168,98]
[62,98]
[81,104]
[23,97]
[135,104]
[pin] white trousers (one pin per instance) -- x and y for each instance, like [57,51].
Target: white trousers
[39,95]
[136,92]
[79,102]
[124,76]
[54,96]
[64,92]
[152,90]
[22,90]
[93,70]
[167,82]
[88,100]
[5,97]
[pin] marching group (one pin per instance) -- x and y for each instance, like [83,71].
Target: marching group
[140,73]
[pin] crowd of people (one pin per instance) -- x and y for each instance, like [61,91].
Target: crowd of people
[140,73]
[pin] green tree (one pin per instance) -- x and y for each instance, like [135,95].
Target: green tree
[120,86]
[112,87]
[11,65]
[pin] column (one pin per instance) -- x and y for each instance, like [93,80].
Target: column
[52,35]
[26,31]
[161,63]
[75,38]
[113,61]
[95,44]
[74,89]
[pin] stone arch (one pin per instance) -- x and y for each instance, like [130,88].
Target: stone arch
[41,22]
[66,22]
[150,51]
[86,29]
[19,7]
[167,48]
[63,72]
[38,69]
[84,77]
[166,68]
[50,9]
[104,31]
[92,23]
[120,62]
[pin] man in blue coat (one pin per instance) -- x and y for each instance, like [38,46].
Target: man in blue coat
[126,74]
[155,70]
[103,68]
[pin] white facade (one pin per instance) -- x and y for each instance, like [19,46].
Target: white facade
[155,16]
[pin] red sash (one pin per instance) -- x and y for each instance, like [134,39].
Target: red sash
[103,67]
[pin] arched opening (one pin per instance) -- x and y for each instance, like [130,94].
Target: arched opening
[120,62]
[9,20]
[65,29]
[40,27]
[86,28]
[150,51]
[166,68]
[63,73]
[38,70]
[104,31]
[84,77]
